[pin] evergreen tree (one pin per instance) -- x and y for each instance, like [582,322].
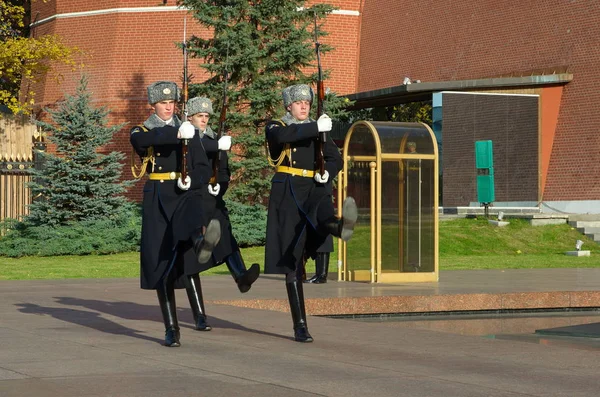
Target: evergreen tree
[265,46]
[78,183]
[406,112]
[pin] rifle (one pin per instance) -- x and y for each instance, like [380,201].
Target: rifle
[320,99]
[217,159]
[184,89]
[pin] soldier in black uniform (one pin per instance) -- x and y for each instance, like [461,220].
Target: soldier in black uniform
[174,242]
[301,213]
[227,251]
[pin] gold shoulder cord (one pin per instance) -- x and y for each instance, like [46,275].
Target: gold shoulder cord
[286,152]
[138,172]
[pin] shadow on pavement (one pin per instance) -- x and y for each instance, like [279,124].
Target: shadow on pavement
[84,318]
[136,311]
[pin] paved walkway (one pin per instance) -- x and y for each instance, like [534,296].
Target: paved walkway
[103,338]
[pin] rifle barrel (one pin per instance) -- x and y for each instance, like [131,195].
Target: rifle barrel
[320,100]
[184,89]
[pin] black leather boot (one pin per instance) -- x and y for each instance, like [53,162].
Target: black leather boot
[243,278]
[204,244]
[296,299]
[343,227]
[321,269]
[194,293]
[166,299]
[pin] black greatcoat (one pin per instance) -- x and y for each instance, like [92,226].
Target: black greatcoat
[198,206]
[215,205]
[163,210]
[297,205]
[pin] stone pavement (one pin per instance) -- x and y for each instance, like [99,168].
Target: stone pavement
[103,338]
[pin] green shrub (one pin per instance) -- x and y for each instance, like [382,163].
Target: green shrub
[249,223]
[121,234]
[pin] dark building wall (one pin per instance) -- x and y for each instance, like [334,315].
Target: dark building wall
[511,123]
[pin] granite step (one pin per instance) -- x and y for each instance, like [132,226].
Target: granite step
[584,224]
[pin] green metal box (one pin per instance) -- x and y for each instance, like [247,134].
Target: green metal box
[484,162]
[484,157]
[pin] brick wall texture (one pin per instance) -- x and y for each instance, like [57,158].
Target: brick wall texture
[468,39]
[511,123]
[430,40]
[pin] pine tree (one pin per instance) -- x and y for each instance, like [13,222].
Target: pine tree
[265,46]
[78,183]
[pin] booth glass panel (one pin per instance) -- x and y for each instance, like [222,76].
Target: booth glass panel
[391,246]
[417,216]
[395,137]
[361,142]
[358,252]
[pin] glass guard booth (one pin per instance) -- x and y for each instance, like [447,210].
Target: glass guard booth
[391,170]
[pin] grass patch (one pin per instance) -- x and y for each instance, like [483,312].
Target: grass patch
[93,266]
[464,244]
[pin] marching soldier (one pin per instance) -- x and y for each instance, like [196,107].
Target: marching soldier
[301,213]
[175,245]
[203,149]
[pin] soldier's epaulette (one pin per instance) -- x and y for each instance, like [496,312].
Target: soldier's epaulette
[275,122]
[139,128]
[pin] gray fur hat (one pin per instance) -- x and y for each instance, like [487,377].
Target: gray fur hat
[163,91]
[298,92]
[199,104]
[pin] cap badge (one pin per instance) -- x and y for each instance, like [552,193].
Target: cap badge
[304,92]
[167,91]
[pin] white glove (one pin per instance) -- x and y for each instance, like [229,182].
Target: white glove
[186,185]
[225,142]
[186,130]
[214,190]
[324,123]
[322,179]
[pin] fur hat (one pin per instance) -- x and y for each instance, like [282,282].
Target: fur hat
[298,92]
[163,91]
[199,104]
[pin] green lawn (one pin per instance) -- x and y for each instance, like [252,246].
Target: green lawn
[464,244]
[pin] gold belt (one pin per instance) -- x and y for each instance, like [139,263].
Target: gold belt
[295,171]
[160,176]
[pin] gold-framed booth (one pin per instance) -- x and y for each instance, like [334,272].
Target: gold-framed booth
[391,170]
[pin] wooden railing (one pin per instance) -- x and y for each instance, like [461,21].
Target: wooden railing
[16,160]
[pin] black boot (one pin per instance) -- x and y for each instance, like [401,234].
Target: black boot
[296,299]
[166,299]
[321,269]
[194,293]
[204,244]
[243,278]
[344,227]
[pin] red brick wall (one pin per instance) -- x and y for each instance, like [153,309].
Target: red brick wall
[469,39]
[118,46]
[118,63]
[425,39]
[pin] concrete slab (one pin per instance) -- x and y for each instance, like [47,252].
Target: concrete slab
[103,338]
[498,223]
[578,253]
